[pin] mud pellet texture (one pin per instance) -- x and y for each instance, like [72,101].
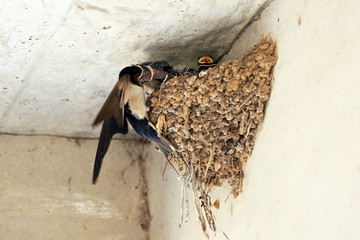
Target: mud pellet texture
[212,118]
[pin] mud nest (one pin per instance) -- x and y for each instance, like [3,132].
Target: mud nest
[212,117]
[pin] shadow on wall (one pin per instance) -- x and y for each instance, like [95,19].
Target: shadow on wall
[184,51]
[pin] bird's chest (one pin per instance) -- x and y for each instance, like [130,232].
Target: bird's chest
[135,98]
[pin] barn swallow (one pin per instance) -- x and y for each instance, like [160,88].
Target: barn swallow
[126,103]
[154,74]
[205,62]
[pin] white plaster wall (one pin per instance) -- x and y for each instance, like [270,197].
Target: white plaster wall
[303,179]
[46,190]
[60,59]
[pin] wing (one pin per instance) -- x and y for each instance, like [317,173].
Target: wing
[114,105]
[166,147]
[113,115]
[108,130]
[145,129]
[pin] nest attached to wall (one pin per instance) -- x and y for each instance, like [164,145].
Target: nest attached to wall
[212,117]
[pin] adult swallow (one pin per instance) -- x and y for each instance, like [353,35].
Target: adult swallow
[126,103]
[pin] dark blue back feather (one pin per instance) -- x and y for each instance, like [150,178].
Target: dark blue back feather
[142,127]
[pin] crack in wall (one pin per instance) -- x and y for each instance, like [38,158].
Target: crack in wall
[119,138]
[145,215]
[250,20]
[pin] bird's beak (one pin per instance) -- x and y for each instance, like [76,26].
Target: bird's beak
[146,76]
[151,71]
[141,68]
[205,60]
[140,76]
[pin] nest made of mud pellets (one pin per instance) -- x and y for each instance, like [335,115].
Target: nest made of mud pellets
[212,118]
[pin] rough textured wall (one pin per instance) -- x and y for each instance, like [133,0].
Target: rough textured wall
[46,190]
[303,179]
[60,59]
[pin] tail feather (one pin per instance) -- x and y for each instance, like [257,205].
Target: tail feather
[108,130]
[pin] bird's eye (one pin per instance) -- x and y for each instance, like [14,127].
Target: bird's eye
[151,71]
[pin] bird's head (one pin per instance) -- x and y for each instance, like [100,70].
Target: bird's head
[134,72]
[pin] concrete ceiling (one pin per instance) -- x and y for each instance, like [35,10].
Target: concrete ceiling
[60,59]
